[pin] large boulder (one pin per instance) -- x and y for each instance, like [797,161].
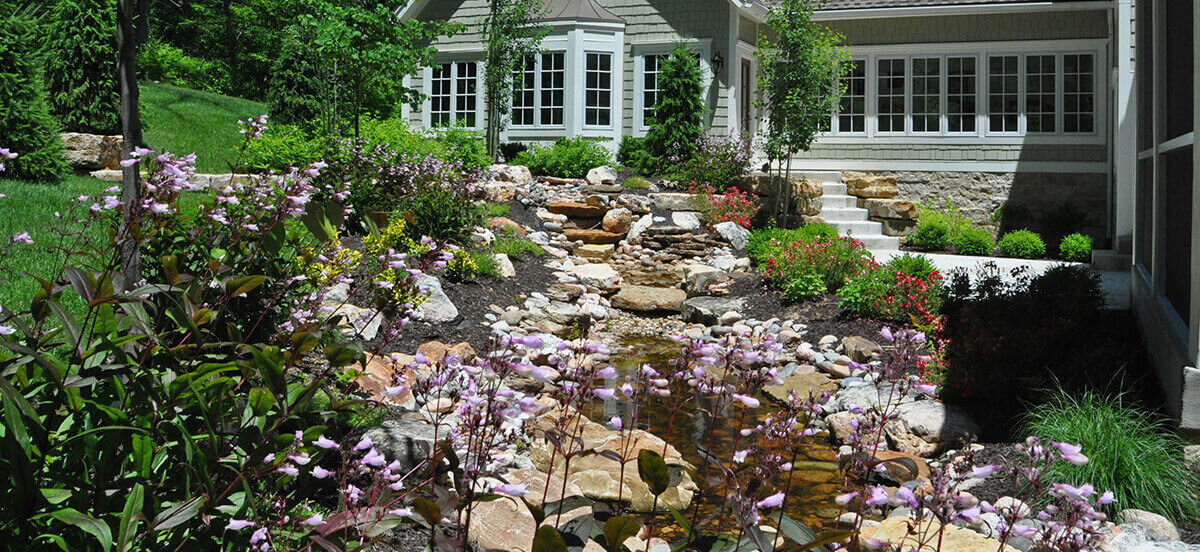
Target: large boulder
[406,441]
[91,151]
[636,203]
[733,233]
[902,532]
[890,208]
[1159,527]
[638,228]
[701,279]
[648,299]
[685,219]
[506,524]
[602,175]
[505,225]
[872,186]
[803,385]
[517,174]
[860,349]
[673,201]
[576,209]
[437,307]
[708,310]
[599,275]
[617,220]
[925,428]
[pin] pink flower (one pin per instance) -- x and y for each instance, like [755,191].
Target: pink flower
[130,162]
[773,501]
[321,473]
[605,393]
[238,524]
[878,496]
[984,471]
[326,443]
[374,458]
[971,515]
[845,499]
[749,402]
[616,423]
[315,520]
[23,237]
[364,444]
[515,490]
[288,469]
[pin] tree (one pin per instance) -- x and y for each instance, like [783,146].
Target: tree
[131,137]
[799,72]
[679,115]
[298,83]
[26,125]
[511,35]
[369,48]
[81,66]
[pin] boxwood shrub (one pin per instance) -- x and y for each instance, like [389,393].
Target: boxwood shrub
[1024,244]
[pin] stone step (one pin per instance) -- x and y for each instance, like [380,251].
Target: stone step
[857,228]
[834,188]
[847,214]
[880,242]
[1109,259]
[820,176]
[838,201]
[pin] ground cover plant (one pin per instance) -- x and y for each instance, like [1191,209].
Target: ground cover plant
[808,268]
[1133,452]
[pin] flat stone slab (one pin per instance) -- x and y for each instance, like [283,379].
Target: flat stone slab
[649,299]
[592,236]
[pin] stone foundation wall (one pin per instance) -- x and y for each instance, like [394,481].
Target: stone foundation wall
[1052,204]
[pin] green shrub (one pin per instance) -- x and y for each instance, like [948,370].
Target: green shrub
[677,124]
[931,235]
[814,231]
[916,266]
[973,240]
[450,144]
[906,288]
[795,267]
[633,155]
[1076,248]
[162,62]
[297,90]
[26,126]
[485,263]
[765,243]
[566,158]
[280,148]
[81,66]
[948,215]
[440,211]
[719,161]
[1022,244]
[510,150]
[466,146]
[462,267]
[1131,451]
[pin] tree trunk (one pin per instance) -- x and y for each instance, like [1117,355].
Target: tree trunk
[131,134]
[143,25]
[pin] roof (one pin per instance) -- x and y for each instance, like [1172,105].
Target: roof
[831,5]
[577,10]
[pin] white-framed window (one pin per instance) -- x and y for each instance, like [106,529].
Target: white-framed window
[890,97]
[852,113]
[1004,93]
[539,90]
[1079,93]
[597,89]
[454,94]
[651,69]
[1041,93]
[927,94]
[961,89]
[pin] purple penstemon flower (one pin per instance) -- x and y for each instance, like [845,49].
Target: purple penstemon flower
[773,501]
[515,490]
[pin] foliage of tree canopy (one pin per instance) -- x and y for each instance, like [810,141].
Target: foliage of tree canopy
[81,66]
[511,35]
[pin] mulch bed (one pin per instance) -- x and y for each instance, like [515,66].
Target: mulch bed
[822,314]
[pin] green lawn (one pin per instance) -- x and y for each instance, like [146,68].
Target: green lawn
[186,121]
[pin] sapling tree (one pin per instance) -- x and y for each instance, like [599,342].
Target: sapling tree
[512,34]
[799,71]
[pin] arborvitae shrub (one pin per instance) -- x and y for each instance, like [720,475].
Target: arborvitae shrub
[81,66]
[678,117]
[26,126]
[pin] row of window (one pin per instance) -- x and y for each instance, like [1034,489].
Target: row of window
[941,95]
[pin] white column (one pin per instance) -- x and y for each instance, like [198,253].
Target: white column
[733,73]
[618,84]
[574,63]
[1125,132]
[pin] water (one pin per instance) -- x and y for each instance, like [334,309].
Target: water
[815,481]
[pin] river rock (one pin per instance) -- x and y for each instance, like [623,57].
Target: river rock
[437,307]
[504,265]
[648,299]
[599,275]
[898,532]
[860,349]
[708,310]
[733,233]
[927,427]
[684,219]
[1158,527]
[617,220]
[602,176]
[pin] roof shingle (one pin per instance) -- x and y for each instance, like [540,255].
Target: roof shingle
[577,10]
[833,5]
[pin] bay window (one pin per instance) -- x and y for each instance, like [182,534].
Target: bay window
[597,106]
[539,90]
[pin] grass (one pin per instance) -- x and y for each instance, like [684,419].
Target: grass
[493,210]
[636,183]
[185,121]
[514,247]
[1132,452]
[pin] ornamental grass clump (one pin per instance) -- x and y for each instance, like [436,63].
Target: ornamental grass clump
[1133,451]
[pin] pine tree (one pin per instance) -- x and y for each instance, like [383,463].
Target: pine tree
[679,115]
[26,126]
[81,66]
[297,90]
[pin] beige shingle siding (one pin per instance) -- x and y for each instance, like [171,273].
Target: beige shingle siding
[470,12]
[974,28]
[982,152]
[747,30]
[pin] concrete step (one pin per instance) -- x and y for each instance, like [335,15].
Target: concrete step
[838,201]
[834,188]
[1109,259]
[847,214]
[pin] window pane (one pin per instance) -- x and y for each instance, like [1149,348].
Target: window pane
[1040,92]
[553,77]
[852,113]
[466,99]
[891,95]
[1177,247]
[1179,79]
[650,92]
[1003,94]
[960,94]
[439,95]
[1078,93]
[927,94]
[1145,215]
[598,90]
[524,92]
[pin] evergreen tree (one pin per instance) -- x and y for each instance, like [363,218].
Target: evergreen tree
[679,115]
[26,126]
[297,91]
[81,66]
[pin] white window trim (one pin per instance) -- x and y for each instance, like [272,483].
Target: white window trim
[701,47]
[427,75]
[537,94]
[982,134]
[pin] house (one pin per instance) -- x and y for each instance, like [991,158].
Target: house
[596,73]
[1166,233]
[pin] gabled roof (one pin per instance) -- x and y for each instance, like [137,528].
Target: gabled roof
[577,10]
[831,5]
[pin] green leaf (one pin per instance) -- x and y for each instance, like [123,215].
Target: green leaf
[260,400]
[56,496]
[428,510]
[617,529]
[653,471]
[827,537]
[178,514]
[539,515]
[548,539]
[88,524]
[340,356]
[680,519]
[241,286]
[131,516]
